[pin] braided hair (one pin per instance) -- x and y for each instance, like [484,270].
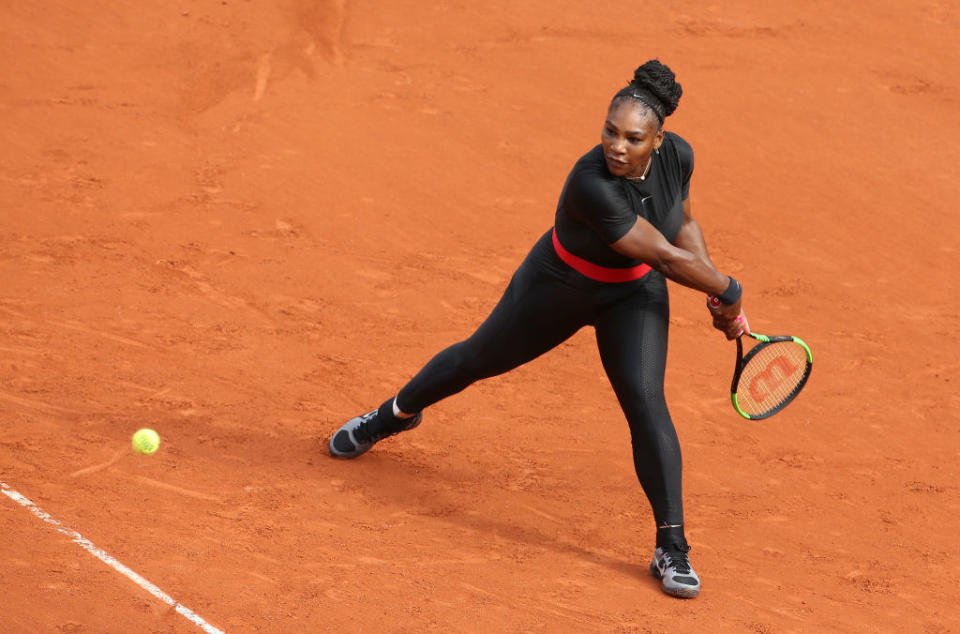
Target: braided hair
[654,85]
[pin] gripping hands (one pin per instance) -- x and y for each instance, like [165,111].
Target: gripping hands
[728,318]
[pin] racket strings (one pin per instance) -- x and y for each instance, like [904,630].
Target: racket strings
[771,377]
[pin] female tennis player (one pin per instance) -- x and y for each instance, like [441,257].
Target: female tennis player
[622,225]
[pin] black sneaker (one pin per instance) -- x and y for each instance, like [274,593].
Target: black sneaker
[672,567]
[361,433]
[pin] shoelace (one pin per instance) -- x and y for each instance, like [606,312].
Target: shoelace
[362,431]
[364,434]
[679,560]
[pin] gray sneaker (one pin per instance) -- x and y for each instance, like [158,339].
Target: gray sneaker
[672,567]
[358,434]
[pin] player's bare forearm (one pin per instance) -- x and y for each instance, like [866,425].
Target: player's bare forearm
[692,270]
[643,242]
[690,238]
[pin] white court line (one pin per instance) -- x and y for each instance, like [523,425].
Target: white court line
[106,558]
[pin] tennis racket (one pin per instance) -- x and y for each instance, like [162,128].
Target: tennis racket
[770,375]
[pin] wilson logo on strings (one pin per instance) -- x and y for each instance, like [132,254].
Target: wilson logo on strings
[769,379]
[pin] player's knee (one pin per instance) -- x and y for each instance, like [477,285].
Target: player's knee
[645,394]
[465,361]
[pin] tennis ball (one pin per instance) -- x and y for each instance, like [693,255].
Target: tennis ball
[146,441]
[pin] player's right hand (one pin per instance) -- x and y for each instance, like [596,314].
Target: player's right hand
[728,318]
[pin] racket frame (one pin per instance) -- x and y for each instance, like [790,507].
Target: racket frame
[742,361]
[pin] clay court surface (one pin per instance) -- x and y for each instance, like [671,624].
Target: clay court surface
[242,222]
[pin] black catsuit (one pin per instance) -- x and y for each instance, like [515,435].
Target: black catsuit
[547,301]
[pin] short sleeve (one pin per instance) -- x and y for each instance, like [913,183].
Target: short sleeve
[600,203]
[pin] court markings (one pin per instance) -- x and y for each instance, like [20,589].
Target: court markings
[106,558]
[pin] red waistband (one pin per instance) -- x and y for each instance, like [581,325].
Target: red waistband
[595,271]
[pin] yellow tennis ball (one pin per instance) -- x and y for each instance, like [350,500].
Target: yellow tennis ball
[146,441]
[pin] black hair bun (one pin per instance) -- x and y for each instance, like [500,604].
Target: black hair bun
[658,80]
